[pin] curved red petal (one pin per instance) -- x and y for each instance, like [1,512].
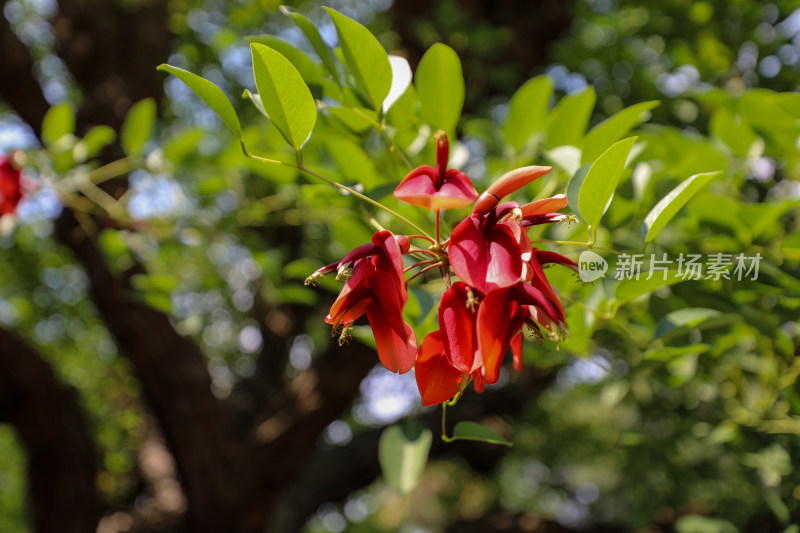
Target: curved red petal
[418,187]
[545,205]
[516,349]
[498,319]
[546,257]
[354,290]
[506,184]
[438,381]
[485,261]
[387,297]
[457,324]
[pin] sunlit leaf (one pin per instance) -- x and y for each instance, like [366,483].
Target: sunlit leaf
[98,138]
[567,121]
[58,121]
[601,181]
[308,69]
[320,47]
[366,59]
[528,110]
[440,87]
[668,206]
[210,94]
[284,95]
[401,79]
[138,126]
[613,129]
[403,453]
[733,130]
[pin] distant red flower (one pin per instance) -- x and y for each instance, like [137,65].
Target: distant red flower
[10,187]
[437,188]
[375,286]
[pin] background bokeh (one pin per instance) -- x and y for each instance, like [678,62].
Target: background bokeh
[648,418]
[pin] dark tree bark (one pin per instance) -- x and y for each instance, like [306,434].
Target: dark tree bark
[61,455]
[500,44]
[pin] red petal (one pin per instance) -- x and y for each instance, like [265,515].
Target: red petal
[545,205]
[494,319]
[418,187]
[355,289]
[437,379]
[485,261]
[505,185]
[387,297]
[396,351]
[546,257]
[457,324]
[516,349]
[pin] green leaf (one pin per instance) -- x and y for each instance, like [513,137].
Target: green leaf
[366,59]
[440,86]
[628,290]
[256,99]
[568,119]
[702,524]
[671,353]
[601,181]
[284,95]
[574,189]
[665,209]
[138,126]
[58,121]
[478,432]
[403,453]
[733,130]
[308,69]
[98,138]
[312,34]
[210,94]
[528,110]
[685,318]
[612,129]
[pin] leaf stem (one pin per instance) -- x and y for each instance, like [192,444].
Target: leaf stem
[337,185]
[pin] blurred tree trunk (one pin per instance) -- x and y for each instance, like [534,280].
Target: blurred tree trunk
[61,455]
[501,44]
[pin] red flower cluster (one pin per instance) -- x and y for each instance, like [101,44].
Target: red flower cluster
[10,187]
[502,283]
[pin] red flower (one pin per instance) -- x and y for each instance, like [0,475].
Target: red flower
[376,286]
[10,187]
[437,188]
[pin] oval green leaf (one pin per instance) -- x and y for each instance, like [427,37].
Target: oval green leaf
[601,181]
[478,432]
[612,129]
[284,95]
[58,121]
[366,59]
[567,122]
[665,209]
[138,126]
[403,453]
[312,34]
[308,69]
[528,110]
[440,86]
[210,94]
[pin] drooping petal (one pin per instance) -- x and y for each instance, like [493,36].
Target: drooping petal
[457,324]
[527,294]
[540,282]
[354,290]
[494,331]
[396,351]
[391,259]
[505,185]
[547,218]
[516,349]
[438,381]
[546,257]
[485,261]
[386,296]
